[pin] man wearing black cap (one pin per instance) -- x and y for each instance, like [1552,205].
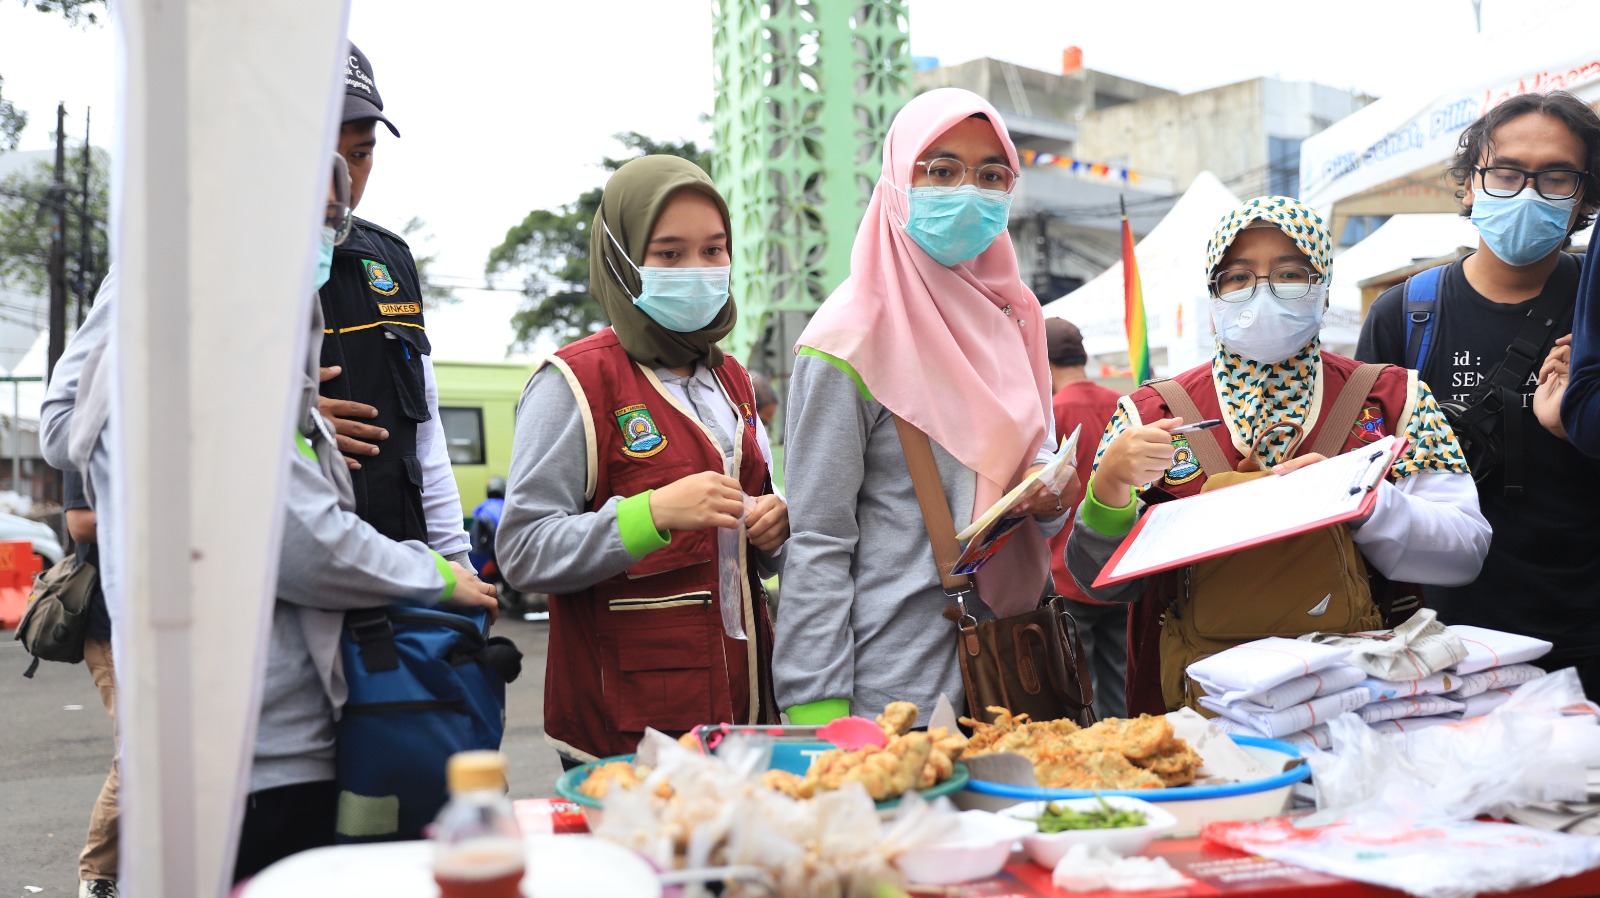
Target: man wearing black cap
[1102,627]
[378,386]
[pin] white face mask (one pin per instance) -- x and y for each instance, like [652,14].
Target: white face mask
[1266,328]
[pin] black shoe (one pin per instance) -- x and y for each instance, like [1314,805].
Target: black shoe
[97,888]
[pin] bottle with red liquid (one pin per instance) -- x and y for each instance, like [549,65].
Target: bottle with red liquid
[477,849]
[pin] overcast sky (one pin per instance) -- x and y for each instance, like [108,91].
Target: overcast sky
[510,108]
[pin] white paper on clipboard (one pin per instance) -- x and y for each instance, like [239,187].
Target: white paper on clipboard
[1172,534]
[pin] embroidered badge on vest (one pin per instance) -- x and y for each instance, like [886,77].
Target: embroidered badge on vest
[1184,467]
[640,438]
[1369,427]
[748,414]
[378,278]
[399,308]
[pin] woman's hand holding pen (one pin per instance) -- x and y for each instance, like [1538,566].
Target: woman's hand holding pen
[1137,456]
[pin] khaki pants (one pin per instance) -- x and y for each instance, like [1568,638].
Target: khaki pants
[99,857]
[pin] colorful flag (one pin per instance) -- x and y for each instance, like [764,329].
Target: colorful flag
[1133,306]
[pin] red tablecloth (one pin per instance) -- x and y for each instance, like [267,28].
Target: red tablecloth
[1222,871]
[1216,870]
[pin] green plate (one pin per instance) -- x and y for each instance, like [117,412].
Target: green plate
[567,785]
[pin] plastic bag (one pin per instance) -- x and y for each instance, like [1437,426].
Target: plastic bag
[1455,772]
[730,574]
[1449,859]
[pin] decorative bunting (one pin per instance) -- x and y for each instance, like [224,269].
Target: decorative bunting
[1079,166]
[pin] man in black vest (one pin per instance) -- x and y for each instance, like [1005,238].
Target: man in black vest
[378,385]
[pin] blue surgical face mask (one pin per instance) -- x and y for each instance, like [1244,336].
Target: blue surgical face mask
[1522,229]
[325,257]
[679,299]
[954,226]
[1266,328]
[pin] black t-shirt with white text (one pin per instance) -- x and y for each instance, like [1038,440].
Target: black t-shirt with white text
[1542,574]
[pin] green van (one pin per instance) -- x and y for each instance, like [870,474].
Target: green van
[478,407]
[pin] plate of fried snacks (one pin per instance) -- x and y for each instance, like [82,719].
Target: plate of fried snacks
[924,761]
[1196,776]
[1114,755]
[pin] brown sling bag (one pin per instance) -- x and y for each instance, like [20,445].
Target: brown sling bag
[1029,663]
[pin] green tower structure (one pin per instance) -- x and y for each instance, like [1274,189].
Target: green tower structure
[805,90]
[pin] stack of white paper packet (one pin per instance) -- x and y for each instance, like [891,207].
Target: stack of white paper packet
[1279,687]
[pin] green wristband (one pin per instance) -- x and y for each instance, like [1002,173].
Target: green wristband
[819,712]
[640,536]
[448,573]
[1105,520]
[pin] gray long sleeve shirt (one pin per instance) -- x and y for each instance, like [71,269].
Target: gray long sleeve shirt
[861,616]
[547,540]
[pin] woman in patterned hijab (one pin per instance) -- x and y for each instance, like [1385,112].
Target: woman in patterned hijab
[1268,266]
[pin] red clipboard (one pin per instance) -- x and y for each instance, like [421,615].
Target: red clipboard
[1174,534]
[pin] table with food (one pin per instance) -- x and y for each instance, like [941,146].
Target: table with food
[1344,766]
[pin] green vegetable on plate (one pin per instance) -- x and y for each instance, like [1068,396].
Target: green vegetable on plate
[1057,819]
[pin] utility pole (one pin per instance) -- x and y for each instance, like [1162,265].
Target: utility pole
[58,245]
[86,286]
[1477,14]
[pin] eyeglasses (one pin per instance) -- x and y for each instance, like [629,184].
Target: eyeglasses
[1552,184]
[948,174]
[339,219]
[1288,282]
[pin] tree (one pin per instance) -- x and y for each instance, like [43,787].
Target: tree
[551,249]
[27,200]
[417,237]
[76,12]
[12,121]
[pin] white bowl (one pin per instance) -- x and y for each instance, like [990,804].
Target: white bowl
[1047,849]
[978,850]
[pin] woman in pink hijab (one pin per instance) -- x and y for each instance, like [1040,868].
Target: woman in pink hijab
[936,326]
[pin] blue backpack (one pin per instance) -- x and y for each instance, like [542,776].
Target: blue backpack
[424,684]
[1421,293]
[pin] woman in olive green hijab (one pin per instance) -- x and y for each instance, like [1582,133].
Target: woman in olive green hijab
[640,494]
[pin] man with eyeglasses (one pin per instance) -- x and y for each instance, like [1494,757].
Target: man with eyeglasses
[1497,324]
[378,388]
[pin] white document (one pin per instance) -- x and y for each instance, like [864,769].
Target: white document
[1172,534]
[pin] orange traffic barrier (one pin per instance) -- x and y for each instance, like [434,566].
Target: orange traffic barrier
[18,565]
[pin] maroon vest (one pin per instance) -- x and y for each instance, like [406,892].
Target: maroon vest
[1382,410]
[646,648]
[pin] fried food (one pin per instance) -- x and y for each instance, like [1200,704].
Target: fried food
[907,760]
[1116,753]
[790,784]
[898,718]
[621,773]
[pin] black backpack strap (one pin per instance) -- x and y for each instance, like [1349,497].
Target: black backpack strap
[1421,295]
[1501,392]
[373,633]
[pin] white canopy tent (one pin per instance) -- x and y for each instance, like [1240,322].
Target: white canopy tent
[1390,157]
[1399,242]
[1172,261]
[220,173]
